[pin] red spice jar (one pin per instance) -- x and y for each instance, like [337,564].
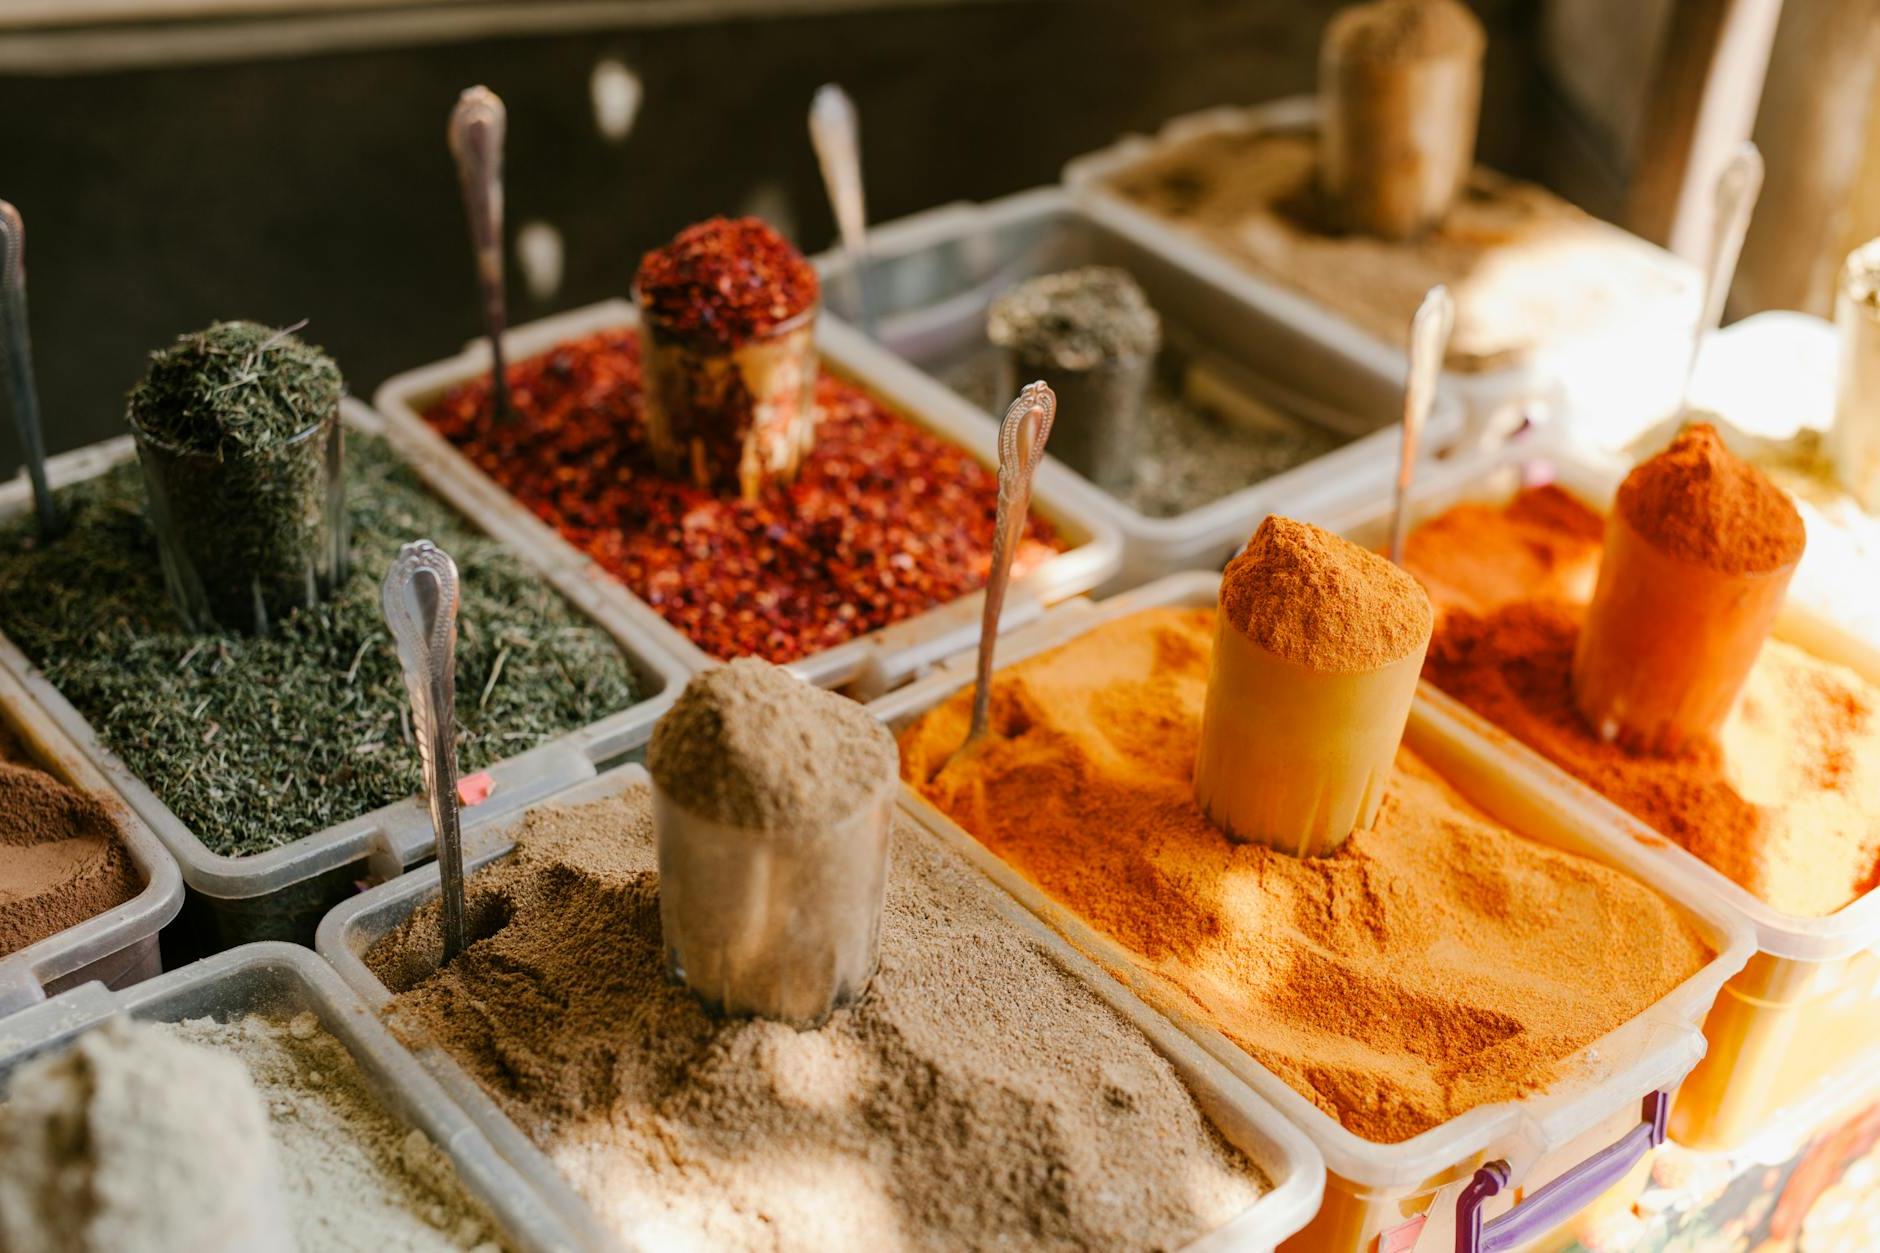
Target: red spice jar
[729,309]
[884,520]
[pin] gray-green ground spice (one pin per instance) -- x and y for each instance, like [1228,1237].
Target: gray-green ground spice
[1185,456]
[255,742]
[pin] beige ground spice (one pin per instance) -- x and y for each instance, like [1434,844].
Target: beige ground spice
[978,1096]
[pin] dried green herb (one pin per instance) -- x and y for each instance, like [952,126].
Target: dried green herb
[238,434]
[255,742]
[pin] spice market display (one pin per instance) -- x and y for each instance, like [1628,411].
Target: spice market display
[1491,864]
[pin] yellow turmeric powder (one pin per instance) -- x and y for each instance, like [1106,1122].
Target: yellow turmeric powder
[1435,963]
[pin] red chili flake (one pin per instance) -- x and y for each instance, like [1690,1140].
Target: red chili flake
[884,520]
[725,282]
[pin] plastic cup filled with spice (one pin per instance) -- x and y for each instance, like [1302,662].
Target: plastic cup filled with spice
[239,437]
[1316,654]
[771,801]
[1091,334]
[729,358]
[1698,555]
[1854,439]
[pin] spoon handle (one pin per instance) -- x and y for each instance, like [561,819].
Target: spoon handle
[419,598]
[19,364]
[1022,436]
[1429,341]
[478,126]
[1739,184]
[836,133]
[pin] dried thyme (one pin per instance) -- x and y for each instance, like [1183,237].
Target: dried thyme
[255,742]
[235,389]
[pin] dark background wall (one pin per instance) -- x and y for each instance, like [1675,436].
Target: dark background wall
[318,186]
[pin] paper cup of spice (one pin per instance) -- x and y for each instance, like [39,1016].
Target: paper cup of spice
[771,805]
[240,443]
[1318,645]
[729,355]
[1400,90]
[1699,551]
[1091,335]
[1854,441]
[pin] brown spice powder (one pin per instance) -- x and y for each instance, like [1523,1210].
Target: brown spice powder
[1318,600]
[1434,963]
[1405,30]
[64,858]
[1473,557]
[978,1096]
[1700,502]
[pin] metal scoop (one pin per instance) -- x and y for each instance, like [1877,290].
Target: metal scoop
[419,599]
[1429,343]
[1739,184]
[19,364]
[836,134]
[477,127]
[1022,436]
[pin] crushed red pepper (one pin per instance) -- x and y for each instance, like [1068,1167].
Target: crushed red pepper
[884,520]
[725,282]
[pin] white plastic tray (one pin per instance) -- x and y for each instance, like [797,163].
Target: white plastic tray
[932,277]
[281,893]
[119,946]
[1636,365]
[282,979]
[1288,1159]
[1653,1051]
[866,665]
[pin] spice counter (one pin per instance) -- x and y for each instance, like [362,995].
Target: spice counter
[115,946]
[1377,1188]
[1086,539]
[361,938]
[1266,391]
[280,982]
[1799,1018]
[265,881]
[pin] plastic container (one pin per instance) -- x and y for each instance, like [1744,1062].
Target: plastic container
[1562,1148]
[1635,365]
[1803,1015]
[282,979]
[1250,1124]
[864,666]
[119,946]
[282,893]
[932,277]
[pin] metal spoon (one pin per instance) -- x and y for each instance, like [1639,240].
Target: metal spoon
[1429,342]
[419,598]
[1739,184]
[19,364]
[1022,436]
[836,134]
[477,127]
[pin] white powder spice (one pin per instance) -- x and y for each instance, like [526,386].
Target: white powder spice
[355,1179]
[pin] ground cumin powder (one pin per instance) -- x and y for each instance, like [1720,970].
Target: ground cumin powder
[978,1096]
[1316,600]
[1432,964]
[62,857]
[1787,804]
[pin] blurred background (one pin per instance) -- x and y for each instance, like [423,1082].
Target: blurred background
[180,161]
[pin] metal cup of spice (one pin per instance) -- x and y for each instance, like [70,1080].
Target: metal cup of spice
[240,443]
[1092,336]
[729,315]
[771,807]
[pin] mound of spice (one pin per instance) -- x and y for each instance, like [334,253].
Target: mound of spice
[977,1097]
[62,857]
[1434,963]
[1787,804]
[725,282]
[1077,319]
[354,1178]
[883,521]
[1700,503]
[257,741]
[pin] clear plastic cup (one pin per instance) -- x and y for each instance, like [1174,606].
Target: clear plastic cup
[244,541]
[778,924]
[1854,440]
[738,417]
[1297,758]
[1668,643]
